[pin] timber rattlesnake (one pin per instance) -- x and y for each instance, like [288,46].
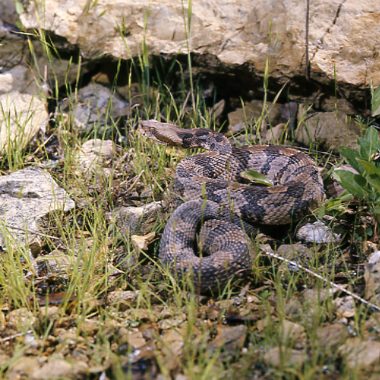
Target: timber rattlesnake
[214,193]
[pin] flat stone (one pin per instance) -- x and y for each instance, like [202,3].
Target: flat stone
[332,335]
[26,196]
[295,251]
[333,130]
[117,297]
[21,117]
[318,233]
[136,220]
[285,357]
[252,111]
[57,368]
[21,319]
[133,337]
[22,367]
[56,264]
[275,134]
[360,354]
[293,332]
[230,337]
[96,156]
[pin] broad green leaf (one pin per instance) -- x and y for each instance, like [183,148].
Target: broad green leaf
[369,167]
[353,183]
[374,181]
[369,143]
[375,106]
[256,177]
[351,156]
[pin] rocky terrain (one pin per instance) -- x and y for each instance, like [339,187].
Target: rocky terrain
[84,197]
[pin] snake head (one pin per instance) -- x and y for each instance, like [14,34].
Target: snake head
[170,134]
[163,133]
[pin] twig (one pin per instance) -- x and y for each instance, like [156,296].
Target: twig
[33,232]
[325,280]
[11,337]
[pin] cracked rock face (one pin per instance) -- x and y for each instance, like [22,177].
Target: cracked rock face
[343,35]
[25,197]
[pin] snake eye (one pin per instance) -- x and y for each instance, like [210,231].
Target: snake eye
[212,146]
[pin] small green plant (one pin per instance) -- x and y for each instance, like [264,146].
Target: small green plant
[364,184]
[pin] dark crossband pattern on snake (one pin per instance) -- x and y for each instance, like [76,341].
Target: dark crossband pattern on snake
[215,195]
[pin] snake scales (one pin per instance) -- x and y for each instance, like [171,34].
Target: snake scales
[215,194]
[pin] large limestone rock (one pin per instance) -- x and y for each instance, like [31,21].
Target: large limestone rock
[21,117]
[25,197]
[344,35]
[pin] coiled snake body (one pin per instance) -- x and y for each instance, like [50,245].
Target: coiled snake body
[214,192]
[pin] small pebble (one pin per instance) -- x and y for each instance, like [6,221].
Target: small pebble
[318,233]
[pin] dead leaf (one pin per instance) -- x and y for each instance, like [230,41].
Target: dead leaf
[141,243]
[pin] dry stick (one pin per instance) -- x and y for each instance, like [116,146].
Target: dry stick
[29,231]
[11,337]
[325,280]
